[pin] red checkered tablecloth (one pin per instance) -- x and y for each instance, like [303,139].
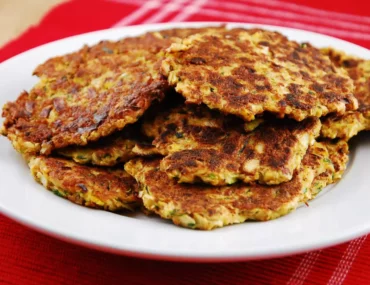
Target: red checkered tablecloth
[28,257]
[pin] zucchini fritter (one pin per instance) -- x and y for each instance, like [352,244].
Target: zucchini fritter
[349,124]
[102,188]
[86,95]
[204,145]
[189,127]
[207,207]
[339,155]
[108,151]
[91,93]
[247,72]
[114,149]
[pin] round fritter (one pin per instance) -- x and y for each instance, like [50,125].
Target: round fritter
[339,155]
[100,91]
[246,72]
[189,127]
[348,125]
[205,145]
[89,94]
[114,149]
[107,151]
[207,207]
[108,189]
[269,155]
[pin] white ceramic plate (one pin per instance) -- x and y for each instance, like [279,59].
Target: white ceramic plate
[341,213]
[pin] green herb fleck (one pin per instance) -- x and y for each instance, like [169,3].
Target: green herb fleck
[191,225]
[303,45]
[243,147]
[311,92]
[107,50]
[173,212]
[146,189]
[212,176]
[179,135]
[327,160]
[58,193]
[304,190]
[80,156]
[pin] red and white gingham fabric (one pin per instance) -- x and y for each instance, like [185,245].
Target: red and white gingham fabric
[28,257]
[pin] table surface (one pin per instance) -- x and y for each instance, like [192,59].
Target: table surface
[28,257]
[18,15]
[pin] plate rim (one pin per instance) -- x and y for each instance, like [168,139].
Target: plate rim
[56,233]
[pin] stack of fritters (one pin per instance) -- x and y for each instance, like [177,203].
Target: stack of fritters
[206,127]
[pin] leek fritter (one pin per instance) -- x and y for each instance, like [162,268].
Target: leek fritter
[247,72]
[109,189]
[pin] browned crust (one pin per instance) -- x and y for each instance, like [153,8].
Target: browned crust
[351,123]
[359,70]
[204,145]
[109,189]
[269,155]
[207,207]
[247,72]
[112,150]
[89,94]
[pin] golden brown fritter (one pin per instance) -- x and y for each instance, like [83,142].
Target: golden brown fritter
[183,33]
[108,189]
[189,127]
[89,94]
[100,93]
[107,151]
[207,207]
[348,125]
[114,149]
[248,72]
[204,145]
[269,155]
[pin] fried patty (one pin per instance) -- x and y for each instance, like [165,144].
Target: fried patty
[108,151]
[247,72]
[188,127]
[204,145]
[89,94]
[348,125]
[108,189]
[207,207]
[339,155]
[114,149]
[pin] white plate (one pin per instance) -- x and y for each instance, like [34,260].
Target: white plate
[340,214]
